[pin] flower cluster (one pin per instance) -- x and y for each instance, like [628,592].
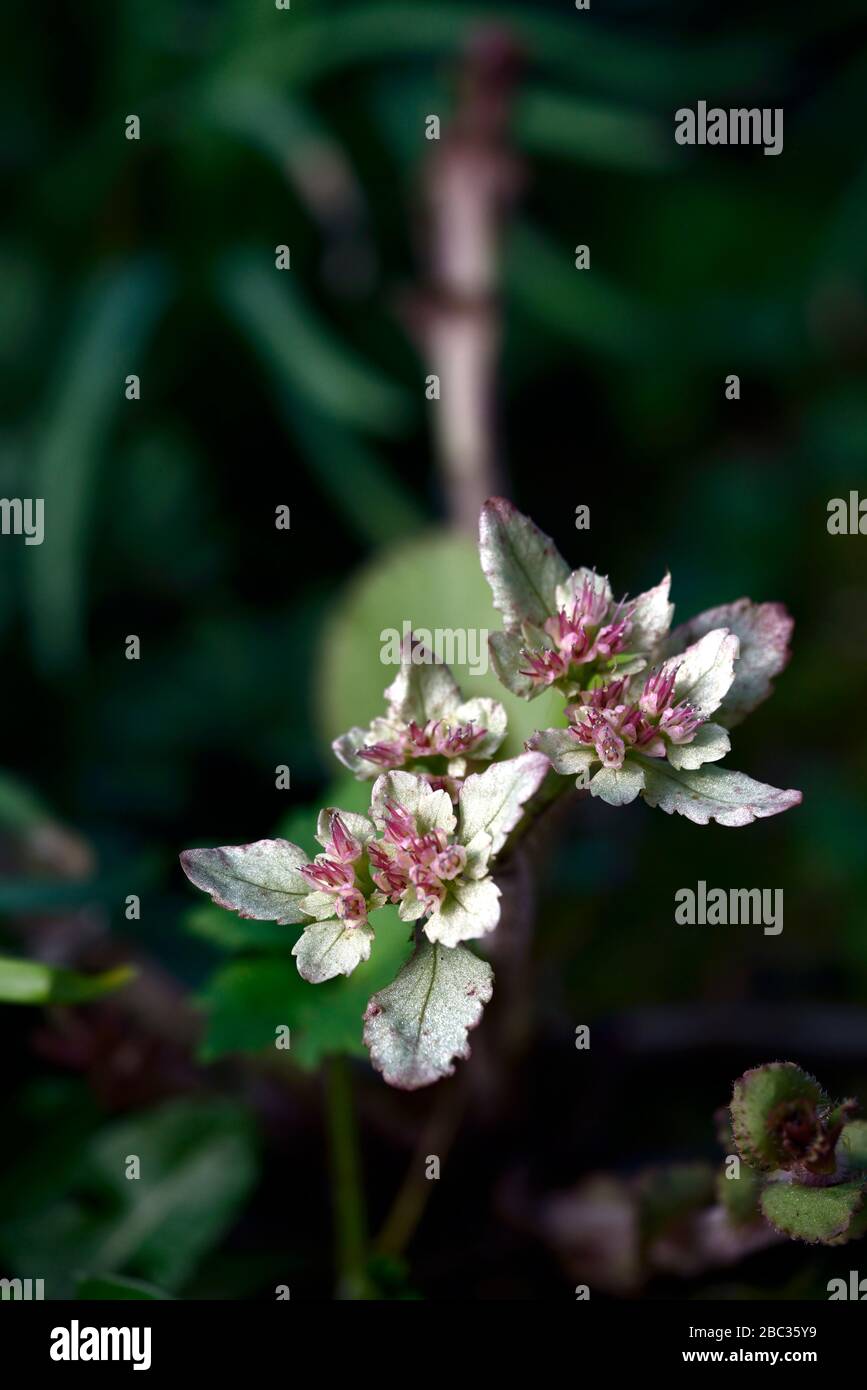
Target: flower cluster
[407,861]
[592,630]
[332,875]
[428,728]
[631,732]
[606,720]
[445,800]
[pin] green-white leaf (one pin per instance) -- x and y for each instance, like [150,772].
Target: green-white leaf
[521,564]
[618,785]
[568,757]
[32,982]
[331,948]
[713,793]
[705,671]
[432,809]
[260,880]
[360,827]
[508,661]
[417,1027]
[491,803]
[484,714]
[763,630]
[709,745]
[423,688]
[651,616]
[471,909]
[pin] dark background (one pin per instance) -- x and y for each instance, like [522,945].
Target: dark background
[259,128]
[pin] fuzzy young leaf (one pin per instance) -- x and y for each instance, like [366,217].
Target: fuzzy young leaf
[818,1215]
[713,793]
[758,1100]
[763,630]
[418,1025]
[259,880]
[521,564]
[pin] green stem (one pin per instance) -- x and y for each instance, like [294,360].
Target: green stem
[350,1222]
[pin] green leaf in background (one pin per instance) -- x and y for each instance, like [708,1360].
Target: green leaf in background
[740,1196]
[197,1165]
[112,1286]
[117,311]
[434,582]
[31,982]
[233,933]
[249,999]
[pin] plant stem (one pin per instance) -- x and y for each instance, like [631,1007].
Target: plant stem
[416,1189]
[350,1223]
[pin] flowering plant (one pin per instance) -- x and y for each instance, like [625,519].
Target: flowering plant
[647,712]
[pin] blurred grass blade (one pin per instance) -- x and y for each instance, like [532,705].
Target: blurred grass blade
[359,486]
[116,312]
[303,352]
[552,123]
[112,1286]
[583,307]
[20,808]
[289,133]
[312,47]
[32,982]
